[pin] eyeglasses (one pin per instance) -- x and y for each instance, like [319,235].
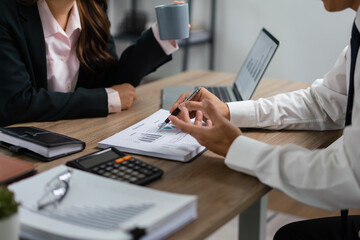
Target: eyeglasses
[55,190]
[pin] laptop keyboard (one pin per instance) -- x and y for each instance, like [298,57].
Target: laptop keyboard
[221,92]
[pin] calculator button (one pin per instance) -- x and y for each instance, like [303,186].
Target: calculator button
[109,163]
[127,176]
[123,168]
[129,170]
[108,168]
[107,174]
[143,164]
[149,167]
[133,179]
[145,171]
[120,174]
[101,171]
[141,176]
[125,163]
[131,165]
[95,169]
[113,176]
[102,166]
[136,167]
[132,160]
[155,169]
[120,160]
[114,171]
[135,173]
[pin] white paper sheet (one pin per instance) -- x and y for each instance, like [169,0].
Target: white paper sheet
[145,138]
[99,208]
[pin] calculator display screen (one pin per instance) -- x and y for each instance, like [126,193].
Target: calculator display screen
[98,159]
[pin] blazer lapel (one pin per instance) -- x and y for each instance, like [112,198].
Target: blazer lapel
[33,31]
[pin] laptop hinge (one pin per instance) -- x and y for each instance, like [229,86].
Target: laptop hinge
[236,93]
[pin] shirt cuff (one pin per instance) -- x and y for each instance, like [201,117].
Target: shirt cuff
[244,153]
[114,101]
[165,45]
[243,114]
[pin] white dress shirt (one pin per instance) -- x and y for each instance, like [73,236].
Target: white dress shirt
[327,178]
[63,64]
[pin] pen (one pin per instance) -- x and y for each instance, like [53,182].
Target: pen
[177,110]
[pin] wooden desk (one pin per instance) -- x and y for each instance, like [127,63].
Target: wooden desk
[222,193]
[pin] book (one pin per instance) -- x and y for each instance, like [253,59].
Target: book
[95,207]
[39,143]
[13,169]
[145,138]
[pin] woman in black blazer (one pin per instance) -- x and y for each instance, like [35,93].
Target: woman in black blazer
[24,95]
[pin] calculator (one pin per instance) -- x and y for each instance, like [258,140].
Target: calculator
[114,164]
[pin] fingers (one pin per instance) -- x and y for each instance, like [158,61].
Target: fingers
[194,106]
[185,127]
[212,113]
[180,100]
[185,113]
[197,98]
[208,123]
[198,118]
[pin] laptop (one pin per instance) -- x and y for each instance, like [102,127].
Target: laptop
[247,79]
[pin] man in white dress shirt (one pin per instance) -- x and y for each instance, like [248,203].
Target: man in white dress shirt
[327,178]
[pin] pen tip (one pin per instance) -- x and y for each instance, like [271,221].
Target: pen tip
[161,126]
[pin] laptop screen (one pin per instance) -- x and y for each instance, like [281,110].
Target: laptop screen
[255,64]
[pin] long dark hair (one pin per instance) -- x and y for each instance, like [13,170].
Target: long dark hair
[93,41]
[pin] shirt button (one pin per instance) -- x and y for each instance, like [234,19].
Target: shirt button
[63,58]
[68,87]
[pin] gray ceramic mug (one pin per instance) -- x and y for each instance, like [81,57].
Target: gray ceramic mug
[173,21]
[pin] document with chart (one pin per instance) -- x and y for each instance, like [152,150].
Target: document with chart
[96,208]
[145,138]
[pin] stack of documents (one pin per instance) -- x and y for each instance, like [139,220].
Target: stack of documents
[145,138]
[99,208]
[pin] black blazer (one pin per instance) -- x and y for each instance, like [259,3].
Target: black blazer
[23,77]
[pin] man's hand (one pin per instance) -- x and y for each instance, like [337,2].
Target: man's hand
[197,103]
[218,133]
[127,95]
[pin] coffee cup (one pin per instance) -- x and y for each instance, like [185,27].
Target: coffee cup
[173,21]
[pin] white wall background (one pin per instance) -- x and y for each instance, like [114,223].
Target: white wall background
[311,38]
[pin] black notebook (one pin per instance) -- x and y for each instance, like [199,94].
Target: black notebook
[39,143]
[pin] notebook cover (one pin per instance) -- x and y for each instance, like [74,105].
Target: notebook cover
[13,169]
[40,136]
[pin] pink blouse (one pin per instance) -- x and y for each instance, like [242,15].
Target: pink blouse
[61,59]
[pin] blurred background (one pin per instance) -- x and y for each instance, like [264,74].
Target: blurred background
[311,38]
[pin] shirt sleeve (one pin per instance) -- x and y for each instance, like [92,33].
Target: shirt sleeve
[165,45]
[319,107]
[114,101]
[325,178]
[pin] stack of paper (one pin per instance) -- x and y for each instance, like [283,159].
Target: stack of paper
[99,208]
[145,138]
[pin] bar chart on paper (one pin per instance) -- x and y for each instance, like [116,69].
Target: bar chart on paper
[145,138]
